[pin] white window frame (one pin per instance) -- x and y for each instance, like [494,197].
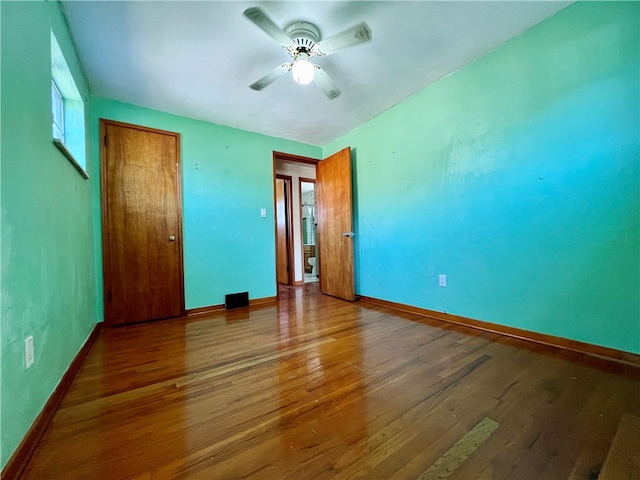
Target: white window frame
[69,137]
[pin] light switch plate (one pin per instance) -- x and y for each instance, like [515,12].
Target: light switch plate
[263,212]
[28,352]
[442,280]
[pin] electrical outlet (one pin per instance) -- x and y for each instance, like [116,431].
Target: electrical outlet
[442,280]
[28,352]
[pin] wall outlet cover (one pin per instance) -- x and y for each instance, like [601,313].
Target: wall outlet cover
[442,280]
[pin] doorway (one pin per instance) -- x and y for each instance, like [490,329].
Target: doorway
[333,247]
[309,224]
[291,168]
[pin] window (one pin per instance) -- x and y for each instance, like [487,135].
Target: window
[57,107]
[67,111]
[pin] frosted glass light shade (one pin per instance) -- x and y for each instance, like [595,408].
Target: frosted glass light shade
[302,70]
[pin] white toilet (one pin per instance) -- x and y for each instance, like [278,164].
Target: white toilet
[312,262]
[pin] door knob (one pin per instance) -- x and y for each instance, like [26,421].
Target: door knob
[349,234]
[172,238]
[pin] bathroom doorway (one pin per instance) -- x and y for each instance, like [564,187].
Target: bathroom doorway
[309,226]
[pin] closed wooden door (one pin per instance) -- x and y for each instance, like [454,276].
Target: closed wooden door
[282,250]
[142,224]
[335,225]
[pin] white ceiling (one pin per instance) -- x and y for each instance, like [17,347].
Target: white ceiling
[197,58]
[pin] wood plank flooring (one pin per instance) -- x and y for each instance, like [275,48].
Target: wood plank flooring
[319,388]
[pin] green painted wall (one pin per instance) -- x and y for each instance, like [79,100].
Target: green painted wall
[518,177]
[228,247]
[48,267]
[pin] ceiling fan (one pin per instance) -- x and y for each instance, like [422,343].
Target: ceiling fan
[302,41]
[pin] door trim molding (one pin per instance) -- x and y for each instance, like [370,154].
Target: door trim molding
[294,158]
[106,280]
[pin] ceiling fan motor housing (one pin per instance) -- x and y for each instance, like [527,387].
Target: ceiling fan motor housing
[304,35]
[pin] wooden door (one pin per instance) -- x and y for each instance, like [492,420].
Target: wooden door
[142,224]
[282,250]
[335,225]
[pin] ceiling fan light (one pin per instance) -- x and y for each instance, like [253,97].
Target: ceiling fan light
[302,70]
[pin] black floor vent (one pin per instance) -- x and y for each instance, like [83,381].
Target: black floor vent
[236,300]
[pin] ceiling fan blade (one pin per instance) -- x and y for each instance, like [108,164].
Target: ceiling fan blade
[257,16]
[325,83]
[352,36]
[271,77]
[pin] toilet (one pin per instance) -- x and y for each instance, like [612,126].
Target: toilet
[312,262]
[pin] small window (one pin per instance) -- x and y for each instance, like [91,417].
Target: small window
[57,111]
[67,111]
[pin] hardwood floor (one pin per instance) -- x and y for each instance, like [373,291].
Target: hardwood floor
[319,388]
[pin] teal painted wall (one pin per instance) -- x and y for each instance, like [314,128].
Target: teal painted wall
[228,247]
[518,177]
[47,245]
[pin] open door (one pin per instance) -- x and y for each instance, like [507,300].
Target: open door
[335,225]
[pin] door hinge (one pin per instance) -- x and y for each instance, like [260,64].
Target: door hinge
[105,140]
[109,297]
